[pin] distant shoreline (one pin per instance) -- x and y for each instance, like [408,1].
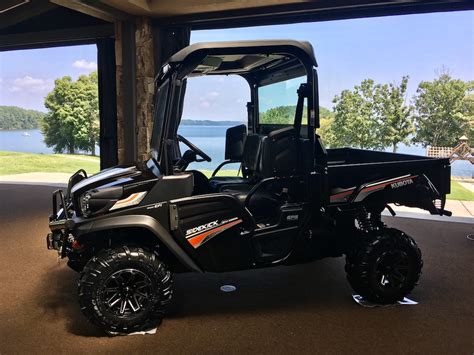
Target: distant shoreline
[203,123]
[18,129]
[187,122]
[183,123]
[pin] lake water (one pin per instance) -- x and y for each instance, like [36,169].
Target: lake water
[211,139]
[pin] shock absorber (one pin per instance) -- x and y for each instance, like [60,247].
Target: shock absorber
[366,221]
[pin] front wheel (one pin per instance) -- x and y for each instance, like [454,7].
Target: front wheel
[385,267]
[125,289]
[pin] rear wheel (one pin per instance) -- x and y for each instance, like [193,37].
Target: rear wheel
[125,289]
[385,267]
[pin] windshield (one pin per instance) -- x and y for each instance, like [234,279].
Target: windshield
[277,102]
[212,104]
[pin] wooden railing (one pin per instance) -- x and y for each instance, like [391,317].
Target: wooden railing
[460,152]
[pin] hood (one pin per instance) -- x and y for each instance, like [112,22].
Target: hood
[109,177]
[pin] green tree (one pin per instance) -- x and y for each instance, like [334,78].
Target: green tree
[326,120]
[280,115]
[395,115]
[371,116]
[286,115]
[468,109]
[356,121]
[72,121]
[443,111]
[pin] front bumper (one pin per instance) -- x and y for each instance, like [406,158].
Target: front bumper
[60,224]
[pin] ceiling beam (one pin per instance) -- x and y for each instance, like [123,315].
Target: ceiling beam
[7,5]
[59,37]
[95,8]
[141,4]
[312,11]
[19,13]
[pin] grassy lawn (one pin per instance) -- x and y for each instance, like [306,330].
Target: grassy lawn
[208,173]
[18,163]
[458,192]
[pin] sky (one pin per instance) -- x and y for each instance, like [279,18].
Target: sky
[26,76]
[347,51]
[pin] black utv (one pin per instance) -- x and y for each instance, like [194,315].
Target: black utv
[128,228]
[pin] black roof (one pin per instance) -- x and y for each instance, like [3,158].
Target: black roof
[259,46]
[264,61]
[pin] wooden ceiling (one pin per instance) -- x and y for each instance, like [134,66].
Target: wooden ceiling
[170,8]
[202,14]
[25,22]
[227,13]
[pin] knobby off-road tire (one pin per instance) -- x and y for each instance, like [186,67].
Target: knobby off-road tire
[125,289]
[385,267]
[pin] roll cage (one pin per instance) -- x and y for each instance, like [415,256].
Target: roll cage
[260,63]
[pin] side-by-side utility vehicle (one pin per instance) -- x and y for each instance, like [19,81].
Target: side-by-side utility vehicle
[128,228]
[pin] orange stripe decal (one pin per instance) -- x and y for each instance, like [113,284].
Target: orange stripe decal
[199,239]
[129,198]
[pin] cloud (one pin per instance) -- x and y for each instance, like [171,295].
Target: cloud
[214,94]
[32,85]
[205,104]
[84,64]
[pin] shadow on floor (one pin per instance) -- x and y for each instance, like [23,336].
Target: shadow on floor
[59,299]
[308,286]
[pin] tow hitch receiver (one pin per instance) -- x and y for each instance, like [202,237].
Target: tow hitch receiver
[54,241]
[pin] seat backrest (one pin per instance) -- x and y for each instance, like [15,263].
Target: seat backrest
[279,153]
[251,153]
[305,162]
[234,142]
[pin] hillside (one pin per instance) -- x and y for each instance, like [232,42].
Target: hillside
[12,117]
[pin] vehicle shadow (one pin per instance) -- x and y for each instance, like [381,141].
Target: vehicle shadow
[58,300]
[316,285]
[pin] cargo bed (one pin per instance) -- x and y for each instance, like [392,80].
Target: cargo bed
[348,167]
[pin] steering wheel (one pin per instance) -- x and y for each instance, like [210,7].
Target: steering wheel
[195,149]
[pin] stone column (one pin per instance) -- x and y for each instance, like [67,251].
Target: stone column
[145,71]
[144,89]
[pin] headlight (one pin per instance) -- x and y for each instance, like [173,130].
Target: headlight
[100,200]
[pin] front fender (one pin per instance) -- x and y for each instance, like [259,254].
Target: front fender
[139,221]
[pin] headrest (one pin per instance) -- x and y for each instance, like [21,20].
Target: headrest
[251,155]
[234,142]
[282,132]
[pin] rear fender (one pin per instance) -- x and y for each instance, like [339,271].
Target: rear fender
[139,221]
[425,195]
[409,190]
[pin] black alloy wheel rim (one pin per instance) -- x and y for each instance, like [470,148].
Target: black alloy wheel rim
[127,292]
[392,269]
